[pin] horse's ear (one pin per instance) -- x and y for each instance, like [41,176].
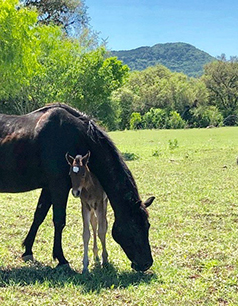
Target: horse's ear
[85,159]
[69,159]
[149,201]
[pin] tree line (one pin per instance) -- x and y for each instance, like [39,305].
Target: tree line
[49,53]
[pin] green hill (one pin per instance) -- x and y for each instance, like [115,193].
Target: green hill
[179,57]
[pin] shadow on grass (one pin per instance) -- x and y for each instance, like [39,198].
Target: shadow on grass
[97,279]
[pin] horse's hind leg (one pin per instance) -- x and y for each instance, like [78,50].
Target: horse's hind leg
[41,211]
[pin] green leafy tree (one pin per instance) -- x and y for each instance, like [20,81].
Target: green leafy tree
[221,79]
[39,64]
[33,59]
[92,78]
[123,99]
[19,48]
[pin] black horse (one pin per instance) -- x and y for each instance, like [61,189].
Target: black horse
[32,155]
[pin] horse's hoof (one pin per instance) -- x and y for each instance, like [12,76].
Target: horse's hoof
[27,258]
[63,266]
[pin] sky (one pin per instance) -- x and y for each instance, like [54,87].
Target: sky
[209,25]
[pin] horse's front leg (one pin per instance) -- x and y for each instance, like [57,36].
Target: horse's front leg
[59,200]
[42,209]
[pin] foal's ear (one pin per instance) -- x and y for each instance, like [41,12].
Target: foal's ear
[85,159]
[69,159]
[149,201]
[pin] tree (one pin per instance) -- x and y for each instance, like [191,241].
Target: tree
[39,64]
[123,99]
[158,88]
[71,14]
[19,48]
[221,78]
[91,79]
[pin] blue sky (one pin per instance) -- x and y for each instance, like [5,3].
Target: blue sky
[211,26]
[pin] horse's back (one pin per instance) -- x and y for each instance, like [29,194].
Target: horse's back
[33,146]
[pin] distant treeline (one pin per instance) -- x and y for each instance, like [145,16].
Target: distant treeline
[41,63]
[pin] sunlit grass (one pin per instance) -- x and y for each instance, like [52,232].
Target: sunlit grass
[193,175]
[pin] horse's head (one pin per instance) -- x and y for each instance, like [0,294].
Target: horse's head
[78,172]
[132,233]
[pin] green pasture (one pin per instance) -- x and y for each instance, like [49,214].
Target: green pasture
[194,230]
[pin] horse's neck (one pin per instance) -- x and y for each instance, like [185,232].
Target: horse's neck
[120,188]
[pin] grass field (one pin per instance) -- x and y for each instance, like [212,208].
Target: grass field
[194,230]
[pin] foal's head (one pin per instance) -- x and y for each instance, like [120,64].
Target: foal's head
[79,172]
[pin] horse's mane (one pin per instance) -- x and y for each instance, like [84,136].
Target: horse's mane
[97,137]
[93,131]
[71,110]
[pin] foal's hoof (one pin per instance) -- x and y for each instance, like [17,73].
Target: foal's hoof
[27,258]
[105,265]
[85,271]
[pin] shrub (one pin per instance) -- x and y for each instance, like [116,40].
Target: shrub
[158,118]
[175,121]
[205,116]
[155,119]
[135,121]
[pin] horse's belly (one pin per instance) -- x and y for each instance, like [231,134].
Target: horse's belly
[15,182]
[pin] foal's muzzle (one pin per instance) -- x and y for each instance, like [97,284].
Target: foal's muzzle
[76,193]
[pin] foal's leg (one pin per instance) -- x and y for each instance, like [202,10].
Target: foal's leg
[94,224]
[86,235]
[102,228]
[42,209]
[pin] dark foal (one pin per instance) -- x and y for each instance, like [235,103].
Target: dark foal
[94,200]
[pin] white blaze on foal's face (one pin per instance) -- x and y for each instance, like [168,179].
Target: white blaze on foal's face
[78,174]
[75,169]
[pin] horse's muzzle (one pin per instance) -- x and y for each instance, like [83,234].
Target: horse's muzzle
[140,267]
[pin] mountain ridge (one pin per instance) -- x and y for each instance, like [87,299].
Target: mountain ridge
[178,57]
